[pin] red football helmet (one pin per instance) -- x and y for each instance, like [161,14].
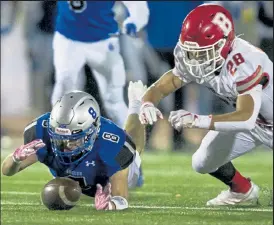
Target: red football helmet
[206,38]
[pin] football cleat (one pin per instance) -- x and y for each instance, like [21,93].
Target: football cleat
[229,197]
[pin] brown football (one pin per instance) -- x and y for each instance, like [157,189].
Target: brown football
[61,194]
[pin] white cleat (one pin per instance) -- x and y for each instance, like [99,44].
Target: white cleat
[233,198]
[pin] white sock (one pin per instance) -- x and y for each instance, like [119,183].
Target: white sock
[134,107]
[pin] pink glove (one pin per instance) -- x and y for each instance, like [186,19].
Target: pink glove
[102,197]
[25,151]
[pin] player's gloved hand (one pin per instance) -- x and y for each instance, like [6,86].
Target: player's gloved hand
[6,30]
[129,27]
[24,151]
[183,119]
[149,113]
[103,197]
[136,91]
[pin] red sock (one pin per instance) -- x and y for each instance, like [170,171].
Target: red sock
[240,184]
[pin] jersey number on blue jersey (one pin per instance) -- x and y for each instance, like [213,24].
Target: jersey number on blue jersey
[77,6]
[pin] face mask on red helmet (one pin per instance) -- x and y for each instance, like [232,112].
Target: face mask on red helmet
[206,38]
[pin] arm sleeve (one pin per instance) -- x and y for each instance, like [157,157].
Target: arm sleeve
[249,124]
[126,156]
[248,77]
[35,131]
[30,132]
[123,158]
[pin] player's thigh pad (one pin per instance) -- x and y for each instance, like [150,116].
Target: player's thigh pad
[134,171]
[104,57]
[218,148]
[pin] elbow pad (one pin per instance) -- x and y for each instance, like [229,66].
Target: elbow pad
[249,124]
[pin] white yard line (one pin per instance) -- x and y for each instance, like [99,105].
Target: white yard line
[24,182]
[3,202]
[131,192]
[19,193]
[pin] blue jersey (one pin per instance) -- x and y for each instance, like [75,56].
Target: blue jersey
[112,151]
[86,21]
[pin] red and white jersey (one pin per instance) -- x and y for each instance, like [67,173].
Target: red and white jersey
[243,69]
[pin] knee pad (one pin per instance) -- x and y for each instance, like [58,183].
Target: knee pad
[199,163]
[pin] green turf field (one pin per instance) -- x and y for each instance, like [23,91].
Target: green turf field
[173,194]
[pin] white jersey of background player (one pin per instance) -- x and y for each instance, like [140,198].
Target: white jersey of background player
[209,53]
[83,35]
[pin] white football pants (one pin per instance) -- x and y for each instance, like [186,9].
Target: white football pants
[217,148]
[107,65]
[134,171]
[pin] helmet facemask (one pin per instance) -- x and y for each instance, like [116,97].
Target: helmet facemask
[72,148]
[202,62]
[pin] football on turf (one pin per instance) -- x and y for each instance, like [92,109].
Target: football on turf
[61,194]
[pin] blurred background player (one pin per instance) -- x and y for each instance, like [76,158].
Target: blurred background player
[86,32]
[265,26]
[39,20]
[86,147]
[210,54]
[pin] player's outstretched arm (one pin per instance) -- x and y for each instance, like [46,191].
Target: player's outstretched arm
[21,158]
[167,84]
[119,190]
[133,126]
[243,118]
[136,131]
[115,198]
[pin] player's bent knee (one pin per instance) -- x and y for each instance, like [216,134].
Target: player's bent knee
[199,164]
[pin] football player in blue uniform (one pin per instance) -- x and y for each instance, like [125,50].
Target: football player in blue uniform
[86,32]
[74,141]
